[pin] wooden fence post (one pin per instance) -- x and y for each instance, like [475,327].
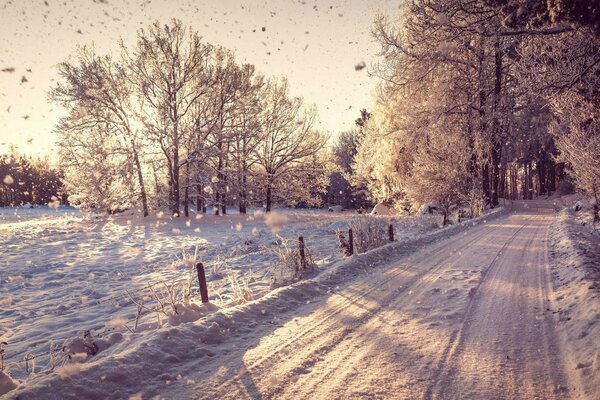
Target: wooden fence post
[302,254]
[202,282]
[350,242]
[391,232]
[2,355]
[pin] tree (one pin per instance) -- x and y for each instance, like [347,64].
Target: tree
[99,96]
[183,115]
[169,68]
[289,138]
[97,175]
[248,133]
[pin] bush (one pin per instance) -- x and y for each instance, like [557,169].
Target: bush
[369,232]
[288,266]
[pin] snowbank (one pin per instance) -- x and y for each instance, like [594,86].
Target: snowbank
[382,209]
[575,265]
[6,383]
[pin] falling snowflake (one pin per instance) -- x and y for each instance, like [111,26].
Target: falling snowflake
[360,66]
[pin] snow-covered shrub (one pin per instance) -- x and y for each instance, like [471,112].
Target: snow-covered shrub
[246,246]
[369,232]
[218,267]
[288,265]
[476,202]
[241,293]
[189,261]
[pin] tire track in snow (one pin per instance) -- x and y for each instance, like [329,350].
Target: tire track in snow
[318,336]
[505,349]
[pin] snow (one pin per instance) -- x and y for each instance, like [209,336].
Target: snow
[6,383]
[72,280]
[575,250]
[382,209]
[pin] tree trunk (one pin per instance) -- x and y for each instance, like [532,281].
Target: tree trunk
[541,170]
[269,194]
[198,198]
[496,140]
[138,166]
[485,178]
[485,183]
[524,182]
[176,194]
[186,196]
[242,191]
[217,204]
[496,157]
[218,185]
[530,181]
[223,195]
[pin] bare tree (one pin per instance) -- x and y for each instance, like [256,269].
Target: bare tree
[169,68]
[289,137]
[99,95]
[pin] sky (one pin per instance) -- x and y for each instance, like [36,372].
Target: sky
[315,44]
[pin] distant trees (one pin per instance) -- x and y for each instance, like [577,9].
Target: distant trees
[344,189]
[182,115]
[26,180]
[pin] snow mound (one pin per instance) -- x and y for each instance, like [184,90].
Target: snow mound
[6,383]
[190,313]
[382,209]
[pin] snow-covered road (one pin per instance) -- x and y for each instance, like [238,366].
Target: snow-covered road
[469,317]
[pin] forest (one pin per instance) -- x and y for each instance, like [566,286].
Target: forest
[28,180]
[483,100]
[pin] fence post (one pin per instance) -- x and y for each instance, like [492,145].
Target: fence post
[202,282]
[302,254]
[391,232]
[350,242]
[2,355]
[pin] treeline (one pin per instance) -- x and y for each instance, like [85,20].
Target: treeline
[27,180]
[481,100]
[176,122]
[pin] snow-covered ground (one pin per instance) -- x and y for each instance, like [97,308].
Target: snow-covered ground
[576,278]
[466,311]
[68,279]
[459,313]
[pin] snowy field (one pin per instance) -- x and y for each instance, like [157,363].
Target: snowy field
[403,303]
[166,361]
[66,276]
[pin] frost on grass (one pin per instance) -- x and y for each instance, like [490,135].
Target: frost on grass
[369,233]
[289,264]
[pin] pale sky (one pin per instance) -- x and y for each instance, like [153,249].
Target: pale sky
[315,44]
